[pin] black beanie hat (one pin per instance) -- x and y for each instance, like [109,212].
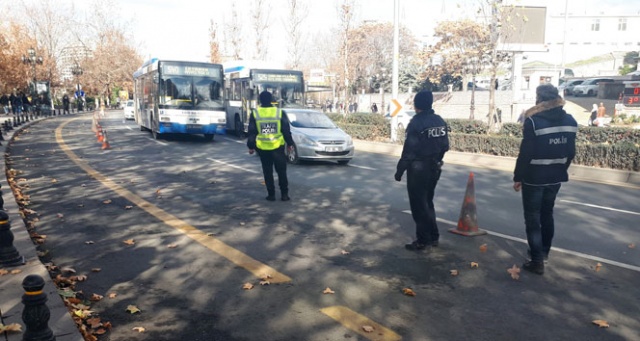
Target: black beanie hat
[423,100]
[547,92]
[265,98]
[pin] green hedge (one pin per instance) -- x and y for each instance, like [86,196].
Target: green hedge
[612,147]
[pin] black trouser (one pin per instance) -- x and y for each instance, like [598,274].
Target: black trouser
[422,178]
[538,202]
[269,159]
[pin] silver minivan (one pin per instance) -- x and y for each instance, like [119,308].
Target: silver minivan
[590,86]
[317,138]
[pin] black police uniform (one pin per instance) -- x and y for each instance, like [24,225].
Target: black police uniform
[427,141]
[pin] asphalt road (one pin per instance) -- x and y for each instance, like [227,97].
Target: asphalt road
[201,230]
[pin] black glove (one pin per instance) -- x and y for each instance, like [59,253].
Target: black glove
[398,176]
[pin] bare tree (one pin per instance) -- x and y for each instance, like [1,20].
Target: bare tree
[214,43]
[345,16]
[260,22]
[233,33]
[297,13]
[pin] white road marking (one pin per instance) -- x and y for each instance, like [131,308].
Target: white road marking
[233,140]
[362,167]
[555,249]
[233,166]
[601,207]
[156,141]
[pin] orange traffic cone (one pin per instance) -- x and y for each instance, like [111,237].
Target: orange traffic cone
[468,221]
[100,134]
[105,141]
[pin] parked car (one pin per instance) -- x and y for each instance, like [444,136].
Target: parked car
[568,86]
[128,110]
[317,138]
[404,116]
[590,86]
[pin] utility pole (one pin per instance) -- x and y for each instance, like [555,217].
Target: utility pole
[394,72]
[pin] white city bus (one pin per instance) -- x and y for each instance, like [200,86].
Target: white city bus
[177,97]
[244,80]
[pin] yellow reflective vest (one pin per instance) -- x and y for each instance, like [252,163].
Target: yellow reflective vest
[268,121]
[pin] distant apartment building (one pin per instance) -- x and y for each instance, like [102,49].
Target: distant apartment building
[604,38]
[70,57]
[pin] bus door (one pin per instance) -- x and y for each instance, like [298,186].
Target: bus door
[247,103]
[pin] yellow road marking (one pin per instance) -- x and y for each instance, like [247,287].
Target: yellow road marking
[354,321]
[239,258]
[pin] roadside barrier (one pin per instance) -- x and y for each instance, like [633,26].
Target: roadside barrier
[468,221]
[9,255]
[36,314]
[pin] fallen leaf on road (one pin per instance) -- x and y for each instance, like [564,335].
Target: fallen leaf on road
[113,295]
[632,246]
[108,201]
[265,282]
[60,215]
[16,271]
[13,327]
[408,292]
[69,270]
[94,322]
[247,286]
[598,266]
[453,272]
[100,331]
[172,246]
[265,277]
[368,329]
[129,242]
[133,309]
[89,242]
[514,271]
[328,291]
[96,270]
[54,181]
[82,313]
[345,252]
[96,298]
[139,329]
[81,278]
[128,207]
[474,265]
[601,323]
[483,248]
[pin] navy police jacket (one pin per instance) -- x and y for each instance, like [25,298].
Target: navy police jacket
[427,139]
[548,145]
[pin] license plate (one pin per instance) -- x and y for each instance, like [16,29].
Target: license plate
[333,149]
[194,126]
[194,120]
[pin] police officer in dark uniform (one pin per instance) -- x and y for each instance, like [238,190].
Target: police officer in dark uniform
[547,149]
[268,133]
[427,141]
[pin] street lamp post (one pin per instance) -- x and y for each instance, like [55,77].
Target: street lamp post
[33,59]
[472,68]
[77,72]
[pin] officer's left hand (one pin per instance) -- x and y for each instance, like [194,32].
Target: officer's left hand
[398,176]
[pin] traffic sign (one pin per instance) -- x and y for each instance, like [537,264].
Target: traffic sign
[398,107]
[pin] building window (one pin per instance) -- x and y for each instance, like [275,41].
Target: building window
[622,24]
[595,25]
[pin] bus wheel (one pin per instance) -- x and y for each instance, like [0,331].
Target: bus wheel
[208,137]
[143,128]
[238,127]
[292,156]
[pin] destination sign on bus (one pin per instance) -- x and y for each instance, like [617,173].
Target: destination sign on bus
[277,78]
[189,70]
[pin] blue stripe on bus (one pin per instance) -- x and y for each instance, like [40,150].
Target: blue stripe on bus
[234,69]
[168,128]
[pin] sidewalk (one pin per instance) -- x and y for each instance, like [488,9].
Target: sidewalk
[11,291]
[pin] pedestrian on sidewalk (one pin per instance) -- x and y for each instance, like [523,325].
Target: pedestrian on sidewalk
[268,133]
[546,151]
[427,141]
[594,115]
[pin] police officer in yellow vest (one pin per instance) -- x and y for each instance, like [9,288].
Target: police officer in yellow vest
[269,130]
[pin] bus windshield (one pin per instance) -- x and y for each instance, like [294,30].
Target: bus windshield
[189,92]
[286,94]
